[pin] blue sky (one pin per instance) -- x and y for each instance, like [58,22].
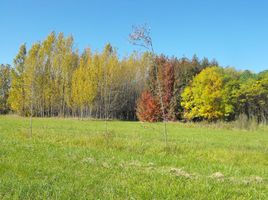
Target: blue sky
[235,32]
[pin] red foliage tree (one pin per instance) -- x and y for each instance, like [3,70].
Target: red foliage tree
[161,88]
[148,108]
[166,76]
[168,96]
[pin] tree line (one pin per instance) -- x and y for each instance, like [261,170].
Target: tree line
[212,93]
[53,79]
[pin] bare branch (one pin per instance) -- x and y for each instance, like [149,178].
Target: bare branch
[140,36]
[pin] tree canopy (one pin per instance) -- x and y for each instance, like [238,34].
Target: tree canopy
[52,78]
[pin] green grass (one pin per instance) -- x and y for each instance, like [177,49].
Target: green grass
[72,159]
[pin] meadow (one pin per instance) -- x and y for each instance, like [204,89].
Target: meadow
[75,159]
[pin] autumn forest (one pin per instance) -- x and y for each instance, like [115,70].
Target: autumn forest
[51,78]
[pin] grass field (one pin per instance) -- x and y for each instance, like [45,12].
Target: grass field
[72,159]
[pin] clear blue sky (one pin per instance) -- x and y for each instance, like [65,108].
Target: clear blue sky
[235,32]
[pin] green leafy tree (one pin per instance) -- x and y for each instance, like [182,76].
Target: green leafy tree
[5,76]
[252,98]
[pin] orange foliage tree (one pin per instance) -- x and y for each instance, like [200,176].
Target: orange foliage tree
[148,108]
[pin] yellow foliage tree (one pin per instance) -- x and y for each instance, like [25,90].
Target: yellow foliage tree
[17,92]
[84,83]
[203,98]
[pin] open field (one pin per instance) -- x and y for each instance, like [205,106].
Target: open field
[72,159]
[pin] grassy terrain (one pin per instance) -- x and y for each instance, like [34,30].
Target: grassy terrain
[72,159]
